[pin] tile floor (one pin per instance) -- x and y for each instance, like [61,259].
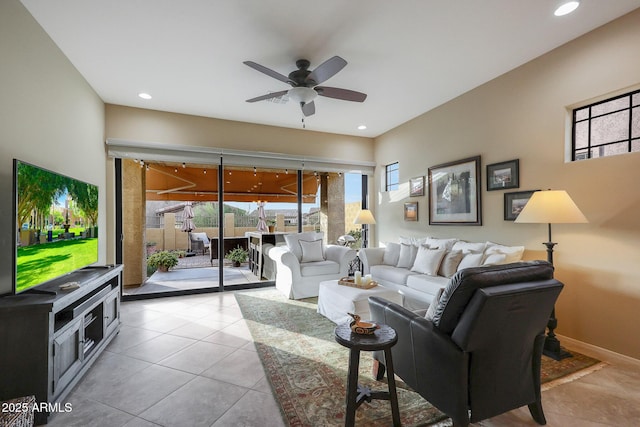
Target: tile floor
[190,361]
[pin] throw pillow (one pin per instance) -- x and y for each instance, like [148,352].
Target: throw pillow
[427,260]
[311,250]
[391,254]
[513,253]
[431,311]
[293,238]
[407,255]
[415,241]
[467,247]
[449,264]
[495,259]
[440,243]
[470,260]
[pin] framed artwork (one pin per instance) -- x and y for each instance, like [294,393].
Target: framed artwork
[501,176]
[416,186]
[411,211]
[514,203]
[454,193]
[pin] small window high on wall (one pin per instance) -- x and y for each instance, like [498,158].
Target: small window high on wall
[392,176]
[607,128]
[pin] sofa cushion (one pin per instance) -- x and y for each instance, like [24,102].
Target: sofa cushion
[449,264]
[463,285]
[388,273]
[407,255]
[391,254]
[293,238]
[319,268]
[428,260]
[311,250]
[471,260]
[426,284]
[512,253]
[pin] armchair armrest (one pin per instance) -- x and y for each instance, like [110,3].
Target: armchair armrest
[343,255]
[369,257]
[424,355]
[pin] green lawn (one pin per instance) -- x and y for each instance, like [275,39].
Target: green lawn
[39,263]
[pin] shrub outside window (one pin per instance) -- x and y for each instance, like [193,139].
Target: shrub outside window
[607,128]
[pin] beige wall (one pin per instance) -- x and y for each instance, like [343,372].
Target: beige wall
[522,115]
[49,116]
[179,129]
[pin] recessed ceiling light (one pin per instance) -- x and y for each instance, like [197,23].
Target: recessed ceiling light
[362,127]
[567,7]
[144,95]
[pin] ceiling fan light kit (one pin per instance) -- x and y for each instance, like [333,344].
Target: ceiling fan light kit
[302,94]
[305,83]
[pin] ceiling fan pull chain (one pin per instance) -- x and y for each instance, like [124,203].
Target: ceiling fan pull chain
[303,125]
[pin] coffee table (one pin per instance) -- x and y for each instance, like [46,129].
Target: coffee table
[335,301]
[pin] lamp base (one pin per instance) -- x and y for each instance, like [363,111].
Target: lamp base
[553,350]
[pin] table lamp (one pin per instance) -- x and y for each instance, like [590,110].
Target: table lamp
[551,207]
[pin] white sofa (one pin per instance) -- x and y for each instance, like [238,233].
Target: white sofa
[419,268]
[305,262]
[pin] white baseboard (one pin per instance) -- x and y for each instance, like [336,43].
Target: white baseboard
[598,352]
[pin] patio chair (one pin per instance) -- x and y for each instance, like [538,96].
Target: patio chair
[200,242]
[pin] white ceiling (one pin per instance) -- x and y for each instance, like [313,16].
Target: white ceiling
[409,56]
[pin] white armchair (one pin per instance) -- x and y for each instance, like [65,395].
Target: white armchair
[306,261]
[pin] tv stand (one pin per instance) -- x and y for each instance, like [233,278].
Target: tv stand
[53,336]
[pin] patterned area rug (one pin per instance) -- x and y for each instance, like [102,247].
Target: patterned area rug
[307,369]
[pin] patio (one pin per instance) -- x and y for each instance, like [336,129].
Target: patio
[194,272]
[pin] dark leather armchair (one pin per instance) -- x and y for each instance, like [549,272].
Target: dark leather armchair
[481,351]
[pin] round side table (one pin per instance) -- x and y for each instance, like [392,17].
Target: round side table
[382,339]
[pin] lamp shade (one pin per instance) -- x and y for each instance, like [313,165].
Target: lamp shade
[364,217]
[551,207]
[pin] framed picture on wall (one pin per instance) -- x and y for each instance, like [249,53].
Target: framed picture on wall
[416,186]
[514,203]
[454,193]
[504,175]
[411,211]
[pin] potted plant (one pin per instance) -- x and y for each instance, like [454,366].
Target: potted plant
[163,260]
[237,255]
[271,223]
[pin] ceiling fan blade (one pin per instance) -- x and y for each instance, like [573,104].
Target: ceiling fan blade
[344,94]
[268,96]
[327,69]
[268,71]
[308,109]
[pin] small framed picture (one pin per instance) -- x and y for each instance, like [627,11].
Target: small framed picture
[416,186]
[514,203]
[411,211]
[501,176]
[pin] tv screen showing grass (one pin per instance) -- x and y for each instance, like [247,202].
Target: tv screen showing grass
[56,222]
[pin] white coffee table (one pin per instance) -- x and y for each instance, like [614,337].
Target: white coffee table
[335,301]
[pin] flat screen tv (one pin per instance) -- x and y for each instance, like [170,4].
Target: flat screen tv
[56,220]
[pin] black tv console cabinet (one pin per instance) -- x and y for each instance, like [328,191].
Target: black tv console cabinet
[50,339]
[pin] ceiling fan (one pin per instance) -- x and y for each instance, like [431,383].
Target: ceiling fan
[304,83]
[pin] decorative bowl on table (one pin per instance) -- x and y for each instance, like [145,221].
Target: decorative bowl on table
[360,327]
